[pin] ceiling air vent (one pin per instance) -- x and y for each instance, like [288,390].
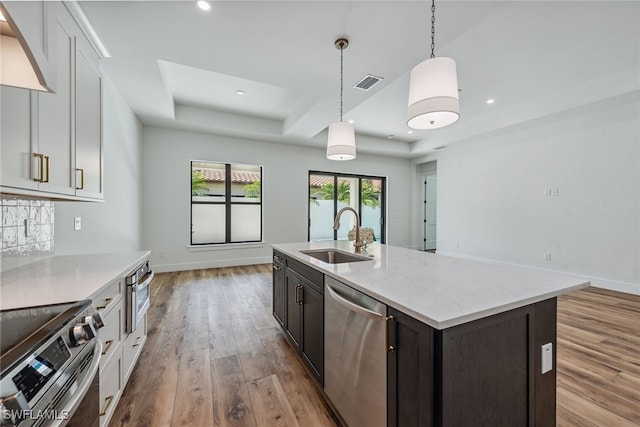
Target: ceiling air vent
[367,82]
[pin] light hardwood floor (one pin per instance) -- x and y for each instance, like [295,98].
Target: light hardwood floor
[216,357]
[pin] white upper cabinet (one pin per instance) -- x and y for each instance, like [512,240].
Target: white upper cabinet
[51,144]
[16,156]
[54,143]
[33,23]
[88,122]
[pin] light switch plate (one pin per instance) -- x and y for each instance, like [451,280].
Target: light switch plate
[547,357]
[77,223]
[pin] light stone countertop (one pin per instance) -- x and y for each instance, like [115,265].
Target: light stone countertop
[441,291]
[67,278]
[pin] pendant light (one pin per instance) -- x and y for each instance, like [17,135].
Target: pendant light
[341,142]
[433,89]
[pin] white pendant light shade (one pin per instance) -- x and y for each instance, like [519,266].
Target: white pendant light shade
[433,94]
[341,143]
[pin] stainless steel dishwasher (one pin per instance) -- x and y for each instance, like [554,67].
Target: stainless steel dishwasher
[355,356]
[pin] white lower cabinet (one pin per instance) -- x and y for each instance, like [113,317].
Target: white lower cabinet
[132,347]
[120,351]
[111,335]
[111,386]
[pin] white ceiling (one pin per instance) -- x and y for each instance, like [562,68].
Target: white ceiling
[178,66]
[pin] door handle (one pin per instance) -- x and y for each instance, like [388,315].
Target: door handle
[301,295]
[48,160]
[41,167]
[81,179]
[390,348]
[353,306]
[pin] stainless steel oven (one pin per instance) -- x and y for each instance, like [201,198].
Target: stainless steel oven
[138,295]
[49,363]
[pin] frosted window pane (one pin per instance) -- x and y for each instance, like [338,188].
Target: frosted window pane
[208,224]
[245,223]
[321,207]
[371,219]
[321,212]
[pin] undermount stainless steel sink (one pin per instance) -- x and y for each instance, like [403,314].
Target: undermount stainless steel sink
[333,256]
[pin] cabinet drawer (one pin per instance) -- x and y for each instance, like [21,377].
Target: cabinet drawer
[111,334]
[132,347]
[312,275]
[110,389]
[107,298]
[279,258]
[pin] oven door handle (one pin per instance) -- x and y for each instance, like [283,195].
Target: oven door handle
[85,385]
[146,282]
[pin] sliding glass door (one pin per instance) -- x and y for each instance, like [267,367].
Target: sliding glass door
[330,192]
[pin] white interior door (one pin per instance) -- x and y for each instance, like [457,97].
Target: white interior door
[430,192]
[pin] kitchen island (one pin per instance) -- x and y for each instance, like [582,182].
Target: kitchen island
[468,343]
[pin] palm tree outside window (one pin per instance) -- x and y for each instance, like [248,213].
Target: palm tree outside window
[330,192]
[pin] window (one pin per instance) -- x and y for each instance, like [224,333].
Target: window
[226,203]
[330,192]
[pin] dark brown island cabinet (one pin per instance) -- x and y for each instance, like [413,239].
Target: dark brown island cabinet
[298,305]
[486,372]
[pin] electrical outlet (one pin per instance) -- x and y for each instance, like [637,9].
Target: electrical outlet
[547,256]
[547,357]
[77,223]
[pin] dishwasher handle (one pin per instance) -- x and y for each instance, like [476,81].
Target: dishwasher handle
[354,307]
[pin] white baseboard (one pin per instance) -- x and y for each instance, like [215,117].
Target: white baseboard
[166,268]
[598,282]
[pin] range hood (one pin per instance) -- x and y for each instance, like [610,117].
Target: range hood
[18,67]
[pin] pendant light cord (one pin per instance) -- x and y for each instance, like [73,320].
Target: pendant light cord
[433,28]
[341,76]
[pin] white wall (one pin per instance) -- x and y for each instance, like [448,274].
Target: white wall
[114,225]
[494,200]
[166,223]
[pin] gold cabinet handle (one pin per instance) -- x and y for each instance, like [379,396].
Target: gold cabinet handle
[41,168]
[109,400]
[48,161]
[106,349]
[81,179]
[277,267]
[137,342]
[107,301]
[388,346]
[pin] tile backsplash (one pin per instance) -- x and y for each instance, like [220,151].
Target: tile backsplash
[26,230]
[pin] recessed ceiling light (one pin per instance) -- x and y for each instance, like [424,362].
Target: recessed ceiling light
[204,5]
[491,101]
[351,121]
[240,92]
[409,131]
[390,137]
